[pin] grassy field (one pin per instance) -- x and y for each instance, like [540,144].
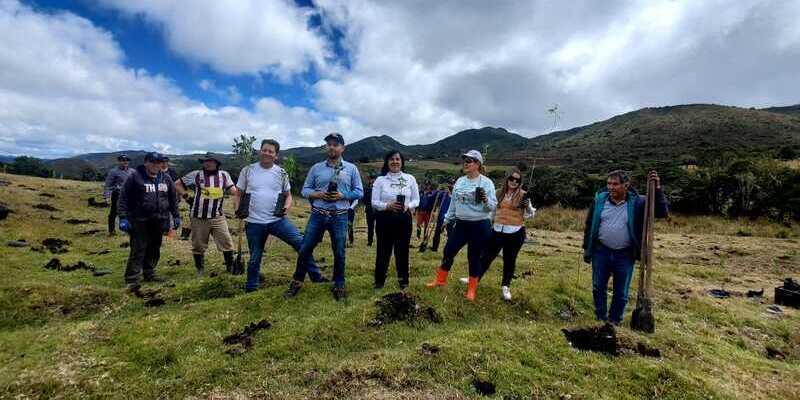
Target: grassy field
[74,335]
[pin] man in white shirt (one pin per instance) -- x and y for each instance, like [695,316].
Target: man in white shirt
[267,182]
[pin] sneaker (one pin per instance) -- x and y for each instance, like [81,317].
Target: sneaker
[339,293]
[464,280]
[506,293]
[293,289]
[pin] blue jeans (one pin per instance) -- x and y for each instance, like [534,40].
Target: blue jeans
[257,235]
[336,226]
[607,263]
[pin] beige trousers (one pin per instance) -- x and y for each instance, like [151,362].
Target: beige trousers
[203,228]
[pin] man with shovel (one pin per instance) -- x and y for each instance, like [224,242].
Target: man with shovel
[612,239]
[266,186]
[207,217]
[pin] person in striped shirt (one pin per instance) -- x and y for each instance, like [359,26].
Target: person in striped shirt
[207,216]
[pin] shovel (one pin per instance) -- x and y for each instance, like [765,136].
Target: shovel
[238,264]
[434,217]
[642,318]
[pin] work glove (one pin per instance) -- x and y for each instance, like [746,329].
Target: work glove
[176,223]
[124,225]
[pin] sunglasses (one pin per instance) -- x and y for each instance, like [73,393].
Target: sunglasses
[513,179]
[468,160]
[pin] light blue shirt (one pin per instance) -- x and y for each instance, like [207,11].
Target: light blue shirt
[462,202]
[348,179]
[613,232]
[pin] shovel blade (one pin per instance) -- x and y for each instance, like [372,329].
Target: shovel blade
[642,318]
[423,247]
[238,265]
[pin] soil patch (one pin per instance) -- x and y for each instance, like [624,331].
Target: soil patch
[48,195]
[755,293]
[4,211]
[401,306]
[775,354]
[428,349]
[604,339]
[45,207]
[90,232]
[56,265]
[101,272]
[55,245]
[74,221]
[719,293]
[243,340]
[17,243]
[93,203]
[99,253]
[151,297]
[485,388]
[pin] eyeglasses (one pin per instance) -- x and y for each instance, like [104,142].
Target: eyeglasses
[513,179]
[468,160]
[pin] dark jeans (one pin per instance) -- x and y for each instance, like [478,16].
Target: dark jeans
[318,224]
[607,263]
[145,248]
[437,234]
[394,234]
[370,226]
[510,243]
[257,235]
[112,213]
[475,235]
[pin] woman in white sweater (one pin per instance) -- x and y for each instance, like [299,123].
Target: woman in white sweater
[395,194]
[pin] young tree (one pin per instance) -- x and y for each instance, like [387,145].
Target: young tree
[243,150]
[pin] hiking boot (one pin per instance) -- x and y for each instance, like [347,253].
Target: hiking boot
[155,279]
[339,293]
[293,289]
[199,264]
[133,287]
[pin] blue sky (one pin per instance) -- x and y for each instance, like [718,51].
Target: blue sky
[190,75]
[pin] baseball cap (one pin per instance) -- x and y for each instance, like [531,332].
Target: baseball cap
[474,154]
[335,136]
[123,157]
[153,157]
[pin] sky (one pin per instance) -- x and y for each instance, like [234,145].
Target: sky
[185,76]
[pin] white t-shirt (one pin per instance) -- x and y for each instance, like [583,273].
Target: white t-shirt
[264,185]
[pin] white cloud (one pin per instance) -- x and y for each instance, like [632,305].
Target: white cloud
[236,37]
[64,90]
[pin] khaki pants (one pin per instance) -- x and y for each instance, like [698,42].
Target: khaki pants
[203,228]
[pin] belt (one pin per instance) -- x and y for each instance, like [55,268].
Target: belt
[328,213]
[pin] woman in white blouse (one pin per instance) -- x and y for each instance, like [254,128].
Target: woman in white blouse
[395,194]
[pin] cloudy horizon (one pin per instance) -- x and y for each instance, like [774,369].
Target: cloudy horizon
[87,76]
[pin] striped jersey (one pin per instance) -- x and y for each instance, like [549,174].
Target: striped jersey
[209,191]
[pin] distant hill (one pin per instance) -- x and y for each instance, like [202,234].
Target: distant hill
[679,134]
[683,134]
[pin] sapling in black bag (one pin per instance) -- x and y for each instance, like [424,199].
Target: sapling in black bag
[243,211]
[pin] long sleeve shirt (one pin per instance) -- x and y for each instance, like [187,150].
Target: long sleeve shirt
[463,205]
[115,179]
[348,180]
[386,189]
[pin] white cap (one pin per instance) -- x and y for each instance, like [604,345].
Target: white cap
[474,154]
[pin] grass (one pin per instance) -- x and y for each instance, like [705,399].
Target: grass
[73,335]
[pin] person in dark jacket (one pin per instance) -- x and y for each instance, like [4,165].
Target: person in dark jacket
[612,240]
[368,210]
[114,180]
[147,201]
[444,204]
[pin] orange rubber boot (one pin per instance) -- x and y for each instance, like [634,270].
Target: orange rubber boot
[472,288]
[441,278]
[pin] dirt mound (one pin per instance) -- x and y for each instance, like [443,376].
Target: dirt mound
[428,349]
[94,203]
[604,339]
[485,388]
[48,195]
[74,221]
[45,207]
[56,265]
[4,211]
[17,243]
[55,245]
[244,340]
[151,297]
[401,306]
[99,252]
[90,232]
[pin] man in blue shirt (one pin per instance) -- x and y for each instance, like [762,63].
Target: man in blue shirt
[331,186]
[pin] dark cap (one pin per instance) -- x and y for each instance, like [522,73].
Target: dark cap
[123,157]
[210,156]
[153,157]
[334,136]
